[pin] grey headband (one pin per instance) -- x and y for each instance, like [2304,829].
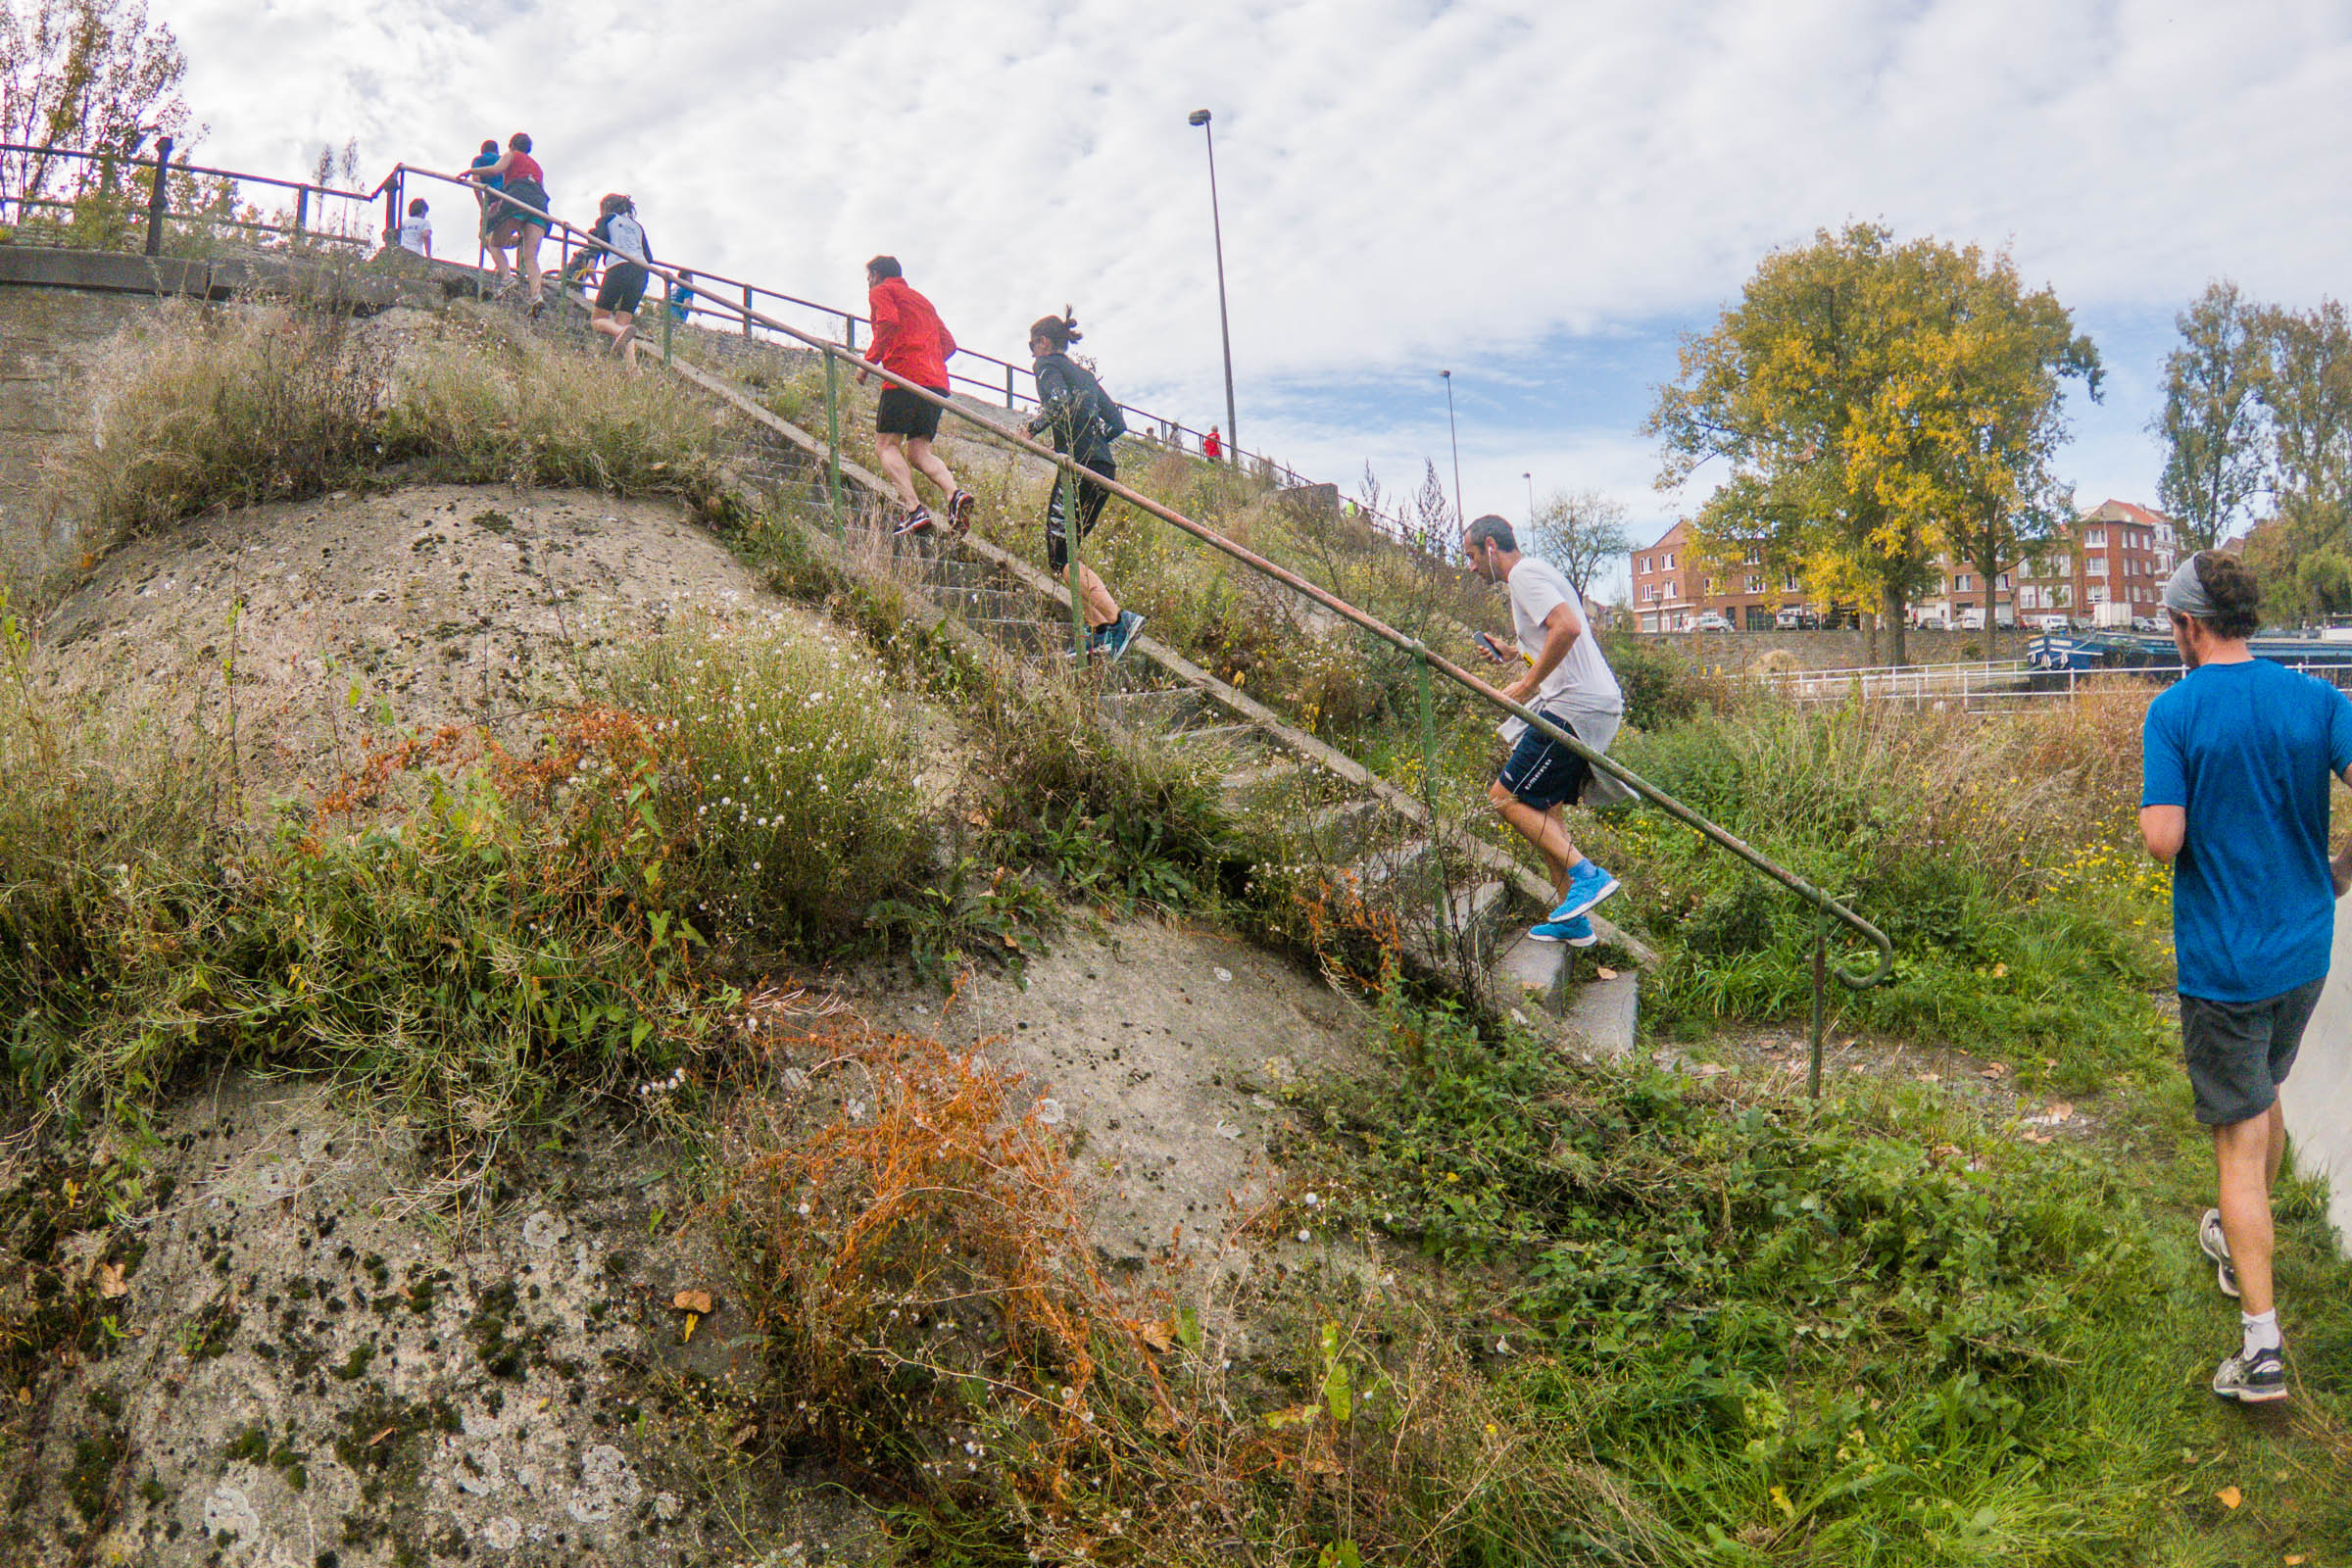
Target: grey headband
[2185,592]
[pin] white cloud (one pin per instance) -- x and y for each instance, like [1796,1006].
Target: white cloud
[1404,184]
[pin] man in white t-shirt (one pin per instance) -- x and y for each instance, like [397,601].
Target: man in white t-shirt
[415,232]
[1565,679]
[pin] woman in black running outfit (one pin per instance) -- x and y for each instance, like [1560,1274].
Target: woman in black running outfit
[1084,422]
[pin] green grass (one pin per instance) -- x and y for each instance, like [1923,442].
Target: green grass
[1882,1332]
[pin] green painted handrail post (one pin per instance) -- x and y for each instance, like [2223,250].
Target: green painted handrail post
[1821,950]
[1069,532]
[668,320]
[1429,787]
[833,438]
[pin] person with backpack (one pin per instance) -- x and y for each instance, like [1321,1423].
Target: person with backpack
[515,212]
[910,341]
[1084,421]
[620,239]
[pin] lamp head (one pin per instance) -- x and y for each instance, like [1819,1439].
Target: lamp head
[1198,117]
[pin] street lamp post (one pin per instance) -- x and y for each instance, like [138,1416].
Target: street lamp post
[1216,225]
[1531,500]
[1454,435]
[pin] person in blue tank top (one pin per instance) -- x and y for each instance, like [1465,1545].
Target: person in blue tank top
[2237,756]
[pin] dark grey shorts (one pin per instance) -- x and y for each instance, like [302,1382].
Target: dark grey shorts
[2240,1053]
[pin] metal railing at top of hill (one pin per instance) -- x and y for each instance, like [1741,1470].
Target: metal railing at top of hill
[740,306]
[300,226]
[1825,907]
[301,222]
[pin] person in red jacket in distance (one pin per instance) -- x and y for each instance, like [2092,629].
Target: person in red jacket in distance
[911,341]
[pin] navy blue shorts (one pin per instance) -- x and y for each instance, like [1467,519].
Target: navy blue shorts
[1543,773]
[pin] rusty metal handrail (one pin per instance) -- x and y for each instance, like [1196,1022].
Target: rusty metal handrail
[1824,905]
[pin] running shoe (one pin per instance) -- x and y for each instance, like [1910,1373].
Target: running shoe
[959,512]
[2215,1244]
[1588,885]
[1120,634]
[2256,1379]
[918,520]
[1576,932]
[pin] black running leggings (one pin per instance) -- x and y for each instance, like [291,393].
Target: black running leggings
[1090,497]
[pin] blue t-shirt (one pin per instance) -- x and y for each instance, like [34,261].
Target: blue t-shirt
[2247,749]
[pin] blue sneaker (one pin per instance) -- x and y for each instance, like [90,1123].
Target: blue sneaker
[1588,885]
[1576,932]
[1120,634]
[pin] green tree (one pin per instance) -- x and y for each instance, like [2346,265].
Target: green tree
[1875,404]
[2212,420]
[2011,354]
[1578,531]
[2307,392]
[88,75]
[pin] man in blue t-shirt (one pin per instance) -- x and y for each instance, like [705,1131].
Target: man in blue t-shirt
[2237,758]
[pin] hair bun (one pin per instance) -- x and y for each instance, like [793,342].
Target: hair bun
[1069,320]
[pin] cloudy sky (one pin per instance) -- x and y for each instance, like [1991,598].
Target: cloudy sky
[1540,198]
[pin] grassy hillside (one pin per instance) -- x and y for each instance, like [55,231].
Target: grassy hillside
[1506,1305]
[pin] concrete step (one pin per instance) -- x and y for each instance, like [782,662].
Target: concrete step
[1601,1017]
[1156,710]
[1346,829]
[1257,784]
[1528,970]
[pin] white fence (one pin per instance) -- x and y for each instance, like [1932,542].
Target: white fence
[1999,686]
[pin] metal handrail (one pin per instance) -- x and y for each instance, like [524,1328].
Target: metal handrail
[1825,905]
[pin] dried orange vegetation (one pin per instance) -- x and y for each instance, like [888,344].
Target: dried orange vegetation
[911,1243]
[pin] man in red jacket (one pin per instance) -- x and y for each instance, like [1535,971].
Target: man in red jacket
[910,340]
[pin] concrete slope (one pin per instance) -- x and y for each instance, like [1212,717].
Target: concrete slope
[2319,1096]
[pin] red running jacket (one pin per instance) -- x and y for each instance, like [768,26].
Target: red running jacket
[909,339]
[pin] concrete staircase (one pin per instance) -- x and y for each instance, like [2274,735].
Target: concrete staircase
[1465,905]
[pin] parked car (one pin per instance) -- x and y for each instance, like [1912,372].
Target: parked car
[2150,623]
[1711,621]
[1796,618]
[2055,620]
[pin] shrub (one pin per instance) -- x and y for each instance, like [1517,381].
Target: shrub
[788,747]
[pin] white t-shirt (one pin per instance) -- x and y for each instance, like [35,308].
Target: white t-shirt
[416,235]
[1582,683]
[626,236]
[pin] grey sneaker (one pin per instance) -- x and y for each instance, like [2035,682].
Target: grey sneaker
[2256,1379]
[2215,1244]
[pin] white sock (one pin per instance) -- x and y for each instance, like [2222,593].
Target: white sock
[2261,1331]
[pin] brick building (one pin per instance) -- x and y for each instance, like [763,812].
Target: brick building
[2117,553]
[1672,588]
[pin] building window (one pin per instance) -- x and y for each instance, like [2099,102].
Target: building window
[1759,617]
[2097,565]
[1755,583]
[2098,596]
[1669,566]
[1666,588]
[2094,539]
[1789,582]
[1645,564]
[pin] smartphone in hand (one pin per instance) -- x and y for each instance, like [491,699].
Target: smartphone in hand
[1490,647]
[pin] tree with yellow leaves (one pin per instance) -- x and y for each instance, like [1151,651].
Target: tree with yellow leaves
[1877,405]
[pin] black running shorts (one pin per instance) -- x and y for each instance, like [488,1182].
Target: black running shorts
[623,287]
[1090,497]
[1543,773]
[901,413]
[2240,1053]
